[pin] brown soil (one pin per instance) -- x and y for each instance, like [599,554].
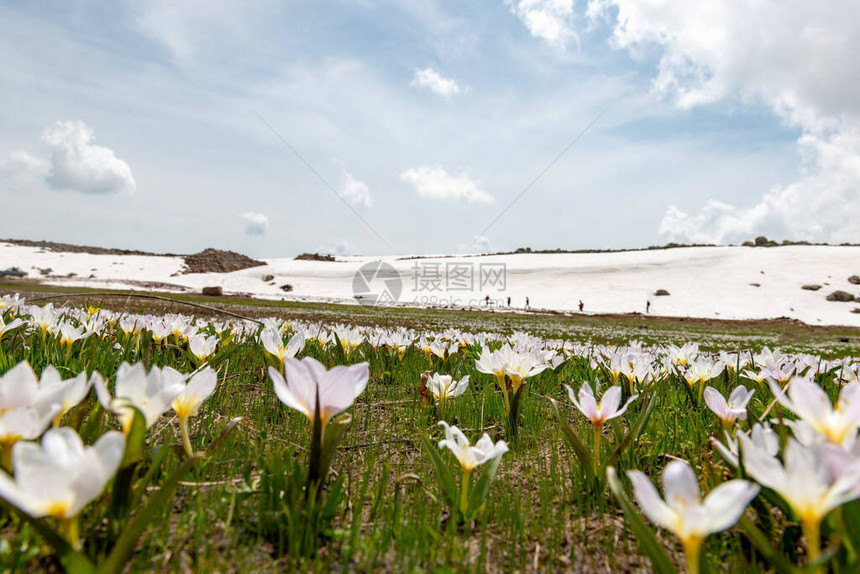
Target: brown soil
[69,248]
[216,261]
[314,257]
[207,261]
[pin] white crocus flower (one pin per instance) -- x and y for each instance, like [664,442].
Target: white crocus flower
[199,388]
[160,331]
[202,346]
[703,370]
[471,456]
[350,339]
[26,408]
[5,327]
[43,317]
[838,423]
[762,436]
[601,411]
[683,355]
[522,365]
[60,476]
[733,409]
[492,363]
[274,345]
[682,510]
[70,333]
[804,481]
[70,392]
[152,393]
[598,412]
[445,387]
[308,379]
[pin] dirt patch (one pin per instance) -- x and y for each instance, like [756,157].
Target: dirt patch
[69,248]
[207,261]
[314,257]
[217,261]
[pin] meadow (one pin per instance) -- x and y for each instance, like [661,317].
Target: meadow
[239,479]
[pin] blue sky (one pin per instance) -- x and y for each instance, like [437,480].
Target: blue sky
[136,124]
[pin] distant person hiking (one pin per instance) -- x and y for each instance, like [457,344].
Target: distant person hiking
[581,305]
[509,300]
[648,306]
[527,302]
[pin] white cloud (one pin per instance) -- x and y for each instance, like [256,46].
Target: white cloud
[798,61]
[823,206]
[429,78]
[23,172]
[433,182]
[353,190]
[480,244]
[255,223]
[549,20]
[342,248]
[75,163]
[187,28]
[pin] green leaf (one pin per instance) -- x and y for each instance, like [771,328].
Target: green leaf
[338,353]
[482,487]
[443,475]
[127,540]
[757,538]
[682,382]
[73,561]
[579,449]
[635,432]
[647,541]
[223,435]
[314,461]
[849,514]
[158,455]
[332,434]
[135,440]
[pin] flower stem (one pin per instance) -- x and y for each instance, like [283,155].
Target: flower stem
[598,430]
[70,531]
[186,440]
[6,457]
[692,551]
[812,532]
[464,493]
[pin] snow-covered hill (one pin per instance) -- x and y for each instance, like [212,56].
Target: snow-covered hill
[712,282]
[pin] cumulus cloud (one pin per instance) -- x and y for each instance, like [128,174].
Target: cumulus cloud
[74,163]
[433,182]
[549,20]
[78,164]
[480,244]
[431,79]
[255,223]
[342,248]
[353,190]
[823,206]
[800,62]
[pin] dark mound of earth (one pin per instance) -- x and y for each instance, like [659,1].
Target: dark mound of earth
[69,248]
[217,261]
[314,257]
